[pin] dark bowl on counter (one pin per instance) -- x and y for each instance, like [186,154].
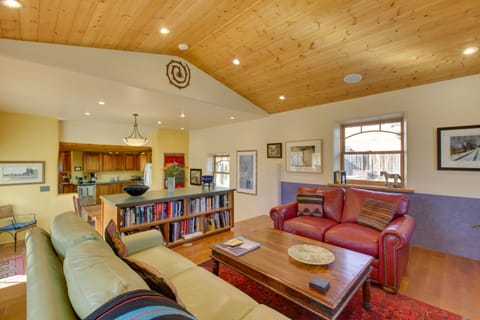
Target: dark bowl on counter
[136,190]
[207,179]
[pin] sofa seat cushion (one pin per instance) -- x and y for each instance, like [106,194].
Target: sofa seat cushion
[165,260]
[308,226]
[355,237]
[262,312]
[208,297]
[94,275]
[141,304]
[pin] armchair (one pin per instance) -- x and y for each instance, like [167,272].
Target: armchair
[13,223]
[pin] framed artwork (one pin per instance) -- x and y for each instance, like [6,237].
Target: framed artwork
[196,177]
[304,156]
[274,150]
[22,172]
[458,148]
[247,171]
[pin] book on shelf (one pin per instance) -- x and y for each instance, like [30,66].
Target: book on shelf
[238,246]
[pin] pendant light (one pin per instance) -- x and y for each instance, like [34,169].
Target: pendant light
[135,138]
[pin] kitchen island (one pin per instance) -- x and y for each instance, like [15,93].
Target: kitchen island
[187,214]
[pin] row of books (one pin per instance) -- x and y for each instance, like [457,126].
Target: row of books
[150,213]
[208,203]
[184,228]
[217,220]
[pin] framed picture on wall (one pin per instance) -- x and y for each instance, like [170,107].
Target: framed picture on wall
[247,171]
[458,148]
[196,177]
[274,150]
[304,156]
[22,172]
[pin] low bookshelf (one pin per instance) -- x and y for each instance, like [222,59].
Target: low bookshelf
[187,214]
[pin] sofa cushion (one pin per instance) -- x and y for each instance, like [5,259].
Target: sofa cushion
[354,199]
[310,204]
[332,200]
[154,278]
[69,229]
[113,238]
[354,237]
[376,214]
[308,226]
[139,303]
[94,275]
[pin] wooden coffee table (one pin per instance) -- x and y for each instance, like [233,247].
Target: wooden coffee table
[271,266]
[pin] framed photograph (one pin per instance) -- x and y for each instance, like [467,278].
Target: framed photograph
[304,156]
[458,148]
[22,172]
[196,177]
[247,171]
[274,150]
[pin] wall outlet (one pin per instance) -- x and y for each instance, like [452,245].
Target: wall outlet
[44,188]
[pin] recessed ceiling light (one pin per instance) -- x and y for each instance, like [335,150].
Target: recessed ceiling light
[352,78]
[182,115]
[470,50]
[14,4]
[281,97]
[236,61]
[159,122]
[182,128]
[164,30]
[101,102]
[232,118]
[183,46]
[87,113]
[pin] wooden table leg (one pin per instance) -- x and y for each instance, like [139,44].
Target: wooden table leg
[367,305]
[216,266]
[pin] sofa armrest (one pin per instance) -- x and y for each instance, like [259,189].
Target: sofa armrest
[143,240]
[281,213]
[394,251]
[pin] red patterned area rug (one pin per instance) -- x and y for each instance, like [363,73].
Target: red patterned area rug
[11,266]
[384,305]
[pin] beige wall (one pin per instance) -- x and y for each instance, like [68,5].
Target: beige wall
[32,138]
[443,104]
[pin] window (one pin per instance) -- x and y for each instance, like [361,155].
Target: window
[372,147]
[221,170]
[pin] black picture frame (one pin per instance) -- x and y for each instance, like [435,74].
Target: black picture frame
[274,150]
[458,148]
[196,177]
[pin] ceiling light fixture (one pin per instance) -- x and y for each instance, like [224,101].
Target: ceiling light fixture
[14,4]
[183,46]
[352,78]
[159,122]
[135,138]
[164,30]
[87,113]
[182,115]
[236,61]
[101,102]
[281,97]
[470,50]
[232,118]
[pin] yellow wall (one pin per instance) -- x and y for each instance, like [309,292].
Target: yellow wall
[167,141]
[32,138]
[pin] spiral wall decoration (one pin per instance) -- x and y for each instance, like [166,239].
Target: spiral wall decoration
[178,74]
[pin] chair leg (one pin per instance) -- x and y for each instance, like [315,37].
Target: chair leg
[15,245]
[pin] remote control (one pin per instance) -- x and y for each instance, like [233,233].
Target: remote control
[320,284]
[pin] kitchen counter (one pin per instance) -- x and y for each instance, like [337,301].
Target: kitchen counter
[108,182]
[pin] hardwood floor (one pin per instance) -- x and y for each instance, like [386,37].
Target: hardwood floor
[446,281]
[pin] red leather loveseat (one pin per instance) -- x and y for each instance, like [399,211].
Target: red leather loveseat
[370,222]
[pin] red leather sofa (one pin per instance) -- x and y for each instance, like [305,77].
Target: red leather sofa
[338,225]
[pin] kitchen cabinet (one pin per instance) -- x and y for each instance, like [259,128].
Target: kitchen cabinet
[144,157]
[130,161]
[65,161]
[92,162]
[111,188]
[113,162]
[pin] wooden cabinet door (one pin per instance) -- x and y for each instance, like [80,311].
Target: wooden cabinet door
[108,162]
[131,161]
[102,189]
[65,162]
[92,162]
[143,158]
[119,162]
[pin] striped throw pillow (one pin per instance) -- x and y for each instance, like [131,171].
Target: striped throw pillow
[376,214]
[310,204]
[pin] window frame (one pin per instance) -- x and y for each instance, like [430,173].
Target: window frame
[215,172]
[379,121]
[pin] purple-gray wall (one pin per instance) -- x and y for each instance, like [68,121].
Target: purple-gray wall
[444,223]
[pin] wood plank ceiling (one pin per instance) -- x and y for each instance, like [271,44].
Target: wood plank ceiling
[300,49]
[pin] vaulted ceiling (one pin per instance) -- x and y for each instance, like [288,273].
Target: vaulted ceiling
[299,49]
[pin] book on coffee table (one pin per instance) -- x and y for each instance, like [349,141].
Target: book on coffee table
[238,245]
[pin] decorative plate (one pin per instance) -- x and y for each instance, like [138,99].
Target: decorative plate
[309,254]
